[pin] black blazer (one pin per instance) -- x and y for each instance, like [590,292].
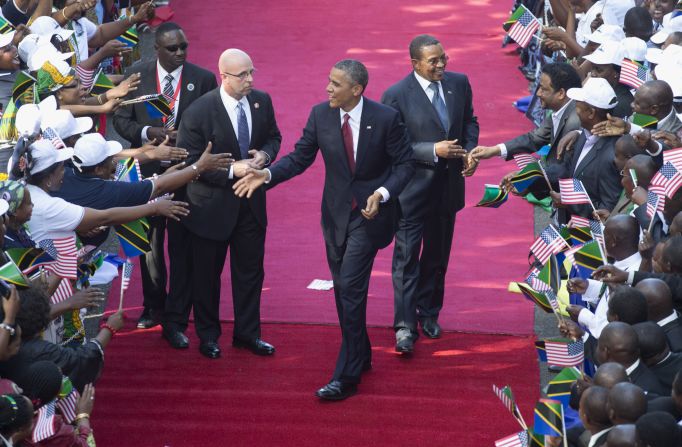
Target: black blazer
[673,331]
[666,370]
[644,378]
[598,173]
[424,127]
[130,120]
[383,158]
[214,209]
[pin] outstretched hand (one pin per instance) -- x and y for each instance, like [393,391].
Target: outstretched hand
[252,180]
[612,127]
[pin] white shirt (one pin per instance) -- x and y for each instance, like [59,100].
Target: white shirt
[161,78]
[232,108]
[590,141]
[52,217]
[83,31]
[583,30]
[595,322]
[425,83]
[632,367]
[595,437]
[672,317]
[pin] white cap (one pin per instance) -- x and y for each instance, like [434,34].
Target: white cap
[6,39]
[596,92]
[609,52]
[92,149]
[28,116]
[47,26]
[44,53]
[657,56]
[673,26]
[607,32]
[4,206]
[634,48]
[44,155]
[63,122]
[670,71]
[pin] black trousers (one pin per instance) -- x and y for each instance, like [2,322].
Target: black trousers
[351,266]
[207,259]
[439,228]
[153,266]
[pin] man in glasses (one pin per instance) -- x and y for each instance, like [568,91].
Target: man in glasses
[182,83]
[238,120]
[436,106]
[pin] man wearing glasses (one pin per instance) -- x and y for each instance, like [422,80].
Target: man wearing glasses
[182,83]
[436,107]
[238,120]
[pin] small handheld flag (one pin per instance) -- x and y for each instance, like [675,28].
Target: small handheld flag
[523,179]
[548,243]
[507,398]
[101,84]
[127,273]
[632,73]
[668,177]
[5,26]
[548,418]
[522,160]
[519,439]
[493,197]
[11,274]
[573,192]
[130,37]
[644,121]
[559,388]
[29,259]
[133,237]
[522,26]
[564,352]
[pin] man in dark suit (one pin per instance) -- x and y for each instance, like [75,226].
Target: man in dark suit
[436,107]
[239,120]
[368,162]
[555,80]
[592,161]
[183,82]
[594,414]
[660,310]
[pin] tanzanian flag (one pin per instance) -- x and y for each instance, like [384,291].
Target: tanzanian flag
[129,37]
[128,170]
[559,388]
[29,259]
[586,259]
[537,297]
[86,270]
[523,179]
[5,26]
[645,121]
[11,274]
[8,130]
[493,196]
[22,91]
[133,237]
[542,352]
[101,84]
[550,274]
[579,235]
[535,439]
[157,107]
[548,418]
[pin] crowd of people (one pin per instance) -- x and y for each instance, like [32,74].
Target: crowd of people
[608,143]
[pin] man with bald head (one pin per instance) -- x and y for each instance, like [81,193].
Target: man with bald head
[655,353]
[626,403]
[661,311]
[623,435]
[594,414]
[239,120]
[618,342]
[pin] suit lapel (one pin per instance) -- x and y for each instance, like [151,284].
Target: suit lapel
[225,124]
[186,95]
[589,157]
[256,115]
[364,134]
[449,93]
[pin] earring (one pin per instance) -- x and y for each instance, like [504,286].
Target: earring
[49,184]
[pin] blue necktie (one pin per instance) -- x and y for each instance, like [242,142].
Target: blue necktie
[439,105]
[242,132]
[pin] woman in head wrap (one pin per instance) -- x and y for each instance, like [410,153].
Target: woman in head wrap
[16,419]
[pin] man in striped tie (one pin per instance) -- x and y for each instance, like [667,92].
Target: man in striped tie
[182,83]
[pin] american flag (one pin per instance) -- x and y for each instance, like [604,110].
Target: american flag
[523,160]
[669,178]
[525,27]
[66,254]
[572,192]
[519,439]
[633,74]
[549,243]
[44,427]
[553,300]
[565,353]
[67,405]
[127,273]
[536,283]
[86,76]
[674,156]
[571,252]
[655,201]
[597,230]
[578,221]
[63,292]
[51,135]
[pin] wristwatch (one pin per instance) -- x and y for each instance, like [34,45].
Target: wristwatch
[8,328]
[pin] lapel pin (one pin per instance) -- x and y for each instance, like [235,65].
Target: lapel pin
[256,105]
[449,92]
[369,127]
[190,87]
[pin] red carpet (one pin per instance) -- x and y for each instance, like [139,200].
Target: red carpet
[151,395]
[293,45]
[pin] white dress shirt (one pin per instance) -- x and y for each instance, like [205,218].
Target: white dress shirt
[634,128]
[670,318]
[595,322]
[590,141]
[161,78]
[595,437]
[425,83]
[232,108]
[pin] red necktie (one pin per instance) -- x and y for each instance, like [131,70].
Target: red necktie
[348,143]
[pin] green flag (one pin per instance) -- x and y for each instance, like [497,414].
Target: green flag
[523,179]
[645,121]
[550,274]
[28,259]
[559,388]
[101,84]
[537,297]
[5,26]
[588,258]
[11,274]
[513,18]
[133,237]
[493,196]
[548,418]
[130,37]
[22,91]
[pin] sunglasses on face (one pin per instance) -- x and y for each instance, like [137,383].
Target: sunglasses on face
[173,48]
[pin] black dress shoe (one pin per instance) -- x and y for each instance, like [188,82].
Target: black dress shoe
[431,328]
[148,319]
[256,346]
[337,390]
[210,349]
[176,339]
[404,342]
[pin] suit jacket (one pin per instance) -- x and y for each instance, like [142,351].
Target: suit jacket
[666,370]
[673,331]
[673,125]
[425,129]
[598,173]
[644,378]
[673,281]
[383,158]
[214,209]
[130,120]
[544,134]
[666,404]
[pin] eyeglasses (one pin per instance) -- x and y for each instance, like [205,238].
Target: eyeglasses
[243,75]
[174,48]
[434,60]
